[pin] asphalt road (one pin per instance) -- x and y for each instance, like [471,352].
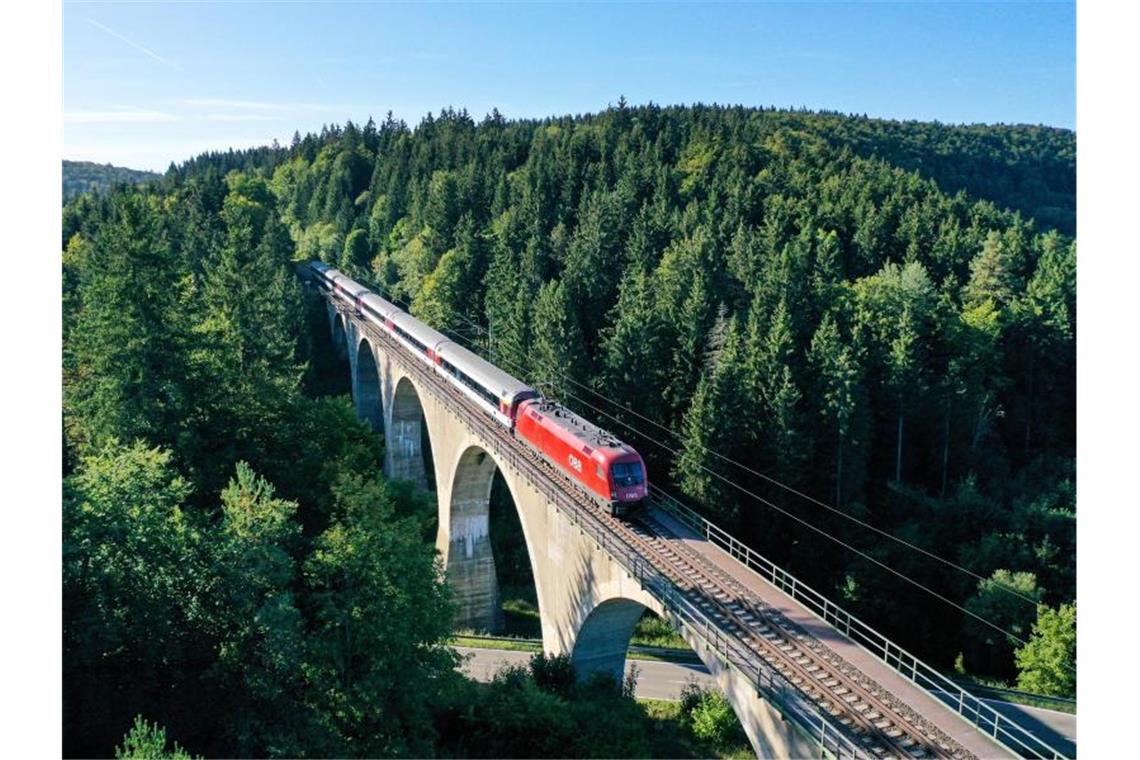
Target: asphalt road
[655,680]
[663,680]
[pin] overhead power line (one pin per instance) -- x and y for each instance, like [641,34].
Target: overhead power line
[767,478]
[528,373]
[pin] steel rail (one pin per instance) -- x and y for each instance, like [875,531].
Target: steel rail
[690,570]
[966,705]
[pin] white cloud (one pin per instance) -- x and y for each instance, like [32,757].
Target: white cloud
[241,117]
[125,116]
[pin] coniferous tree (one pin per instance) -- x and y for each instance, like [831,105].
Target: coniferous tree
[124,362]
[838,375]
[556,352]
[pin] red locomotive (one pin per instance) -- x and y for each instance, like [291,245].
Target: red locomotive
[611,471]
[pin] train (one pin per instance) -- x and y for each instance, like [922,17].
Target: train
[605,468]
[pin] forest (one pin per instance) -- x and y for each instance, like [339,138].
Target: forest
[849,341]
[85,176]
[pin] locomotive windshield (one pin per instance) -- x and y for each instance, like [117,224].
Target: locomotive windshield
[628,474]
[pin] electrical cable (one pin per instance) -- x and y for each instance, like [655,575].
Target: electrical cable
[766,478]
[779,509]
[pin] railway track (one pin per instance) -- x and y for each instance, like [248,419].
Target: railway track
[875,723]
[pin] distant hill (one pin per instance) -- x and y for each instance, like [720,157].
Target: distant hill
[82,176]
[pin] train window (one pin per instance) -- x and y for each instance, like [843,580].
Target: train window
[628,474]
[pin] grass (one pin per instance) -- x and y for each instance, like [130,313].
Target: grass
[520,612]
[482,642]
[652,631]
[520,644]
[676,732]
[968,680]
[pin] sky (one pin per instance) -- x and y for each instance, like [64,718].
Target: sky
[147,83]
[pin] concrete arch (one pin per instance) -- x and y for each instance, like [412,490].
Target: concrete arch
[405,433]
[469,556]
[366,396]
[339,337]
[603,638]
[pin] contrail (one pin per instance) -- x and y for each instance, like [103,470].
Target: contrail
[135,45]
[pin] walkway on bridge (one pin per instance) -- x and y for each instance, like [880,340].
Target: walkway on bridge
[920,701]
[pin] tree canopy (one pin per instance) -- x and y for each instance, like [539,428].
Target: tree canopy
[879,315]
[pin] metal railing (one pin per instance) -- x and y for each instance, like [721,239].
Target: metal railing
[969,707]
[819,727]
[1012,695]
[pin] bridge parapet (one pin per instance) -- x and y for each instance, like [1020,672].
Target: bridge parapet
[971,708]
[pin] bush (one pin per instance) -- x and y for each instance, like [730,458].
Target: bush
[713,719]
[691,694]
[553,674]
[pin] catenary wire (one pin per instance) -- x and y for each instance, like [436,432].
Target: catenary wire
[766,478]
[766,502]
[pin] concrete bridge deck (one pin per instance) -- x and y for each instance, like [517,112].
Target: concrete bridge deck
[930,708]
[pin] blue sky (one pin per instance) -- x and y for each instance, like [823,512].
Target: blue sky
[148,83]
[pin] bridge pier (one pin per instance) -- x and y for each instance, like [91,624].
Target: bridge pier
[470,561]
[404,436]
[366,388]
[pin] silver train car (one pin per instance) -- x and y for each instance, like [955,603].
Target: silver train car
[491,389]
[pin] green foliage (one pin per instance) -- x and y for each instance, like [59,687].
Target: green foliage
[1006,600]
[515,716]
[709,716]
[878,313]
[126,351]
[146,741]
[85,176]
[556,350]
[554,674]
[375,654]
[713,719]
[1047,664]
[652,631]
[133,570]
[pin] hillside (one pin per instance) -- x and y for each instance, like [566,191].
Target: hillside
[83,176]
[879,315]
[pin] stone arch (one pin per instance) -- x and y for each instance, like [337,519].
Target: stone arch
[471,571]
[339,337]
[366,387]
[603,638]
[407,441]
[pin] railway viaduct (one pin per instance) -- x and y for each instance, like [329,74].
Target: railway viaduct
[591,587]
[588,603]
